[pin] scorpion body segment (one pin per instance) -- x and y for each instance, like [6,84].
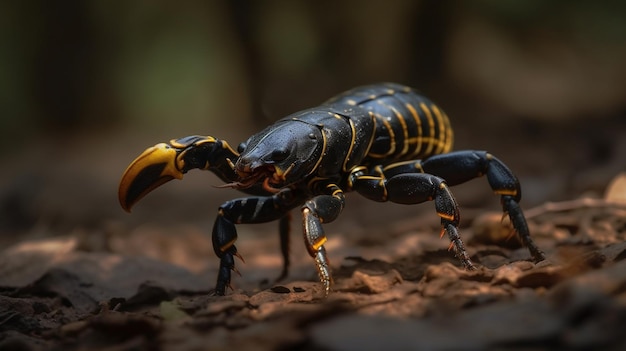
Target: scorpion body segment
[385,141]
[407,125]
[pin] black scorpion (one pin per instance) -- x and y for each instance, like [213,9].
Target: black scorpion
[385,141]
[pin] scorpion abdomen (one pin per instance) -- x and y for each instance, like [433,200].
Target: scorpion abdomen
[408,125]
[340,125]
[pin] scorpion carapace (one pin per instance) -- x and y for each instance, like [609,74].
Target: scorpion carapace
[384,141]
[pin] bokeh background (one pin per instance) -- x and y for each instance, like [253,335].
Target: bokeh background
[85,86]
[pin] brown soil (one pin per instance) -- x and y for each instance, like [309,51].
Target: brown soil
[143,282]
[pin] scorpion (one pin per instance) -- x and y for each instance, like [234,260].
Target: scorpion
[385,141]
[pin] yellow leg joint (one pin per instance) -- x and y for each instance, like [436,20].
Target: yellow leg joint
[446,216]
[228,245]
[511,192]
[319,243]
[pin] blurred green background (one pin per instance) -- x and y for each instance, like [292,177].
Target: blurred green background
[87,85]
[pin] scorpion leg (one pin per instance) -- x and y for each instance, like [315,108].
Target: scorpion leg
[245,210]
[323,208]
[461,166]
[414,188]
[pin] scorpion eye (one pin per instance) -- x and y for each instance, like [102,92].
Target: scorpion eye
[279,154]
[242,147]
[312,136]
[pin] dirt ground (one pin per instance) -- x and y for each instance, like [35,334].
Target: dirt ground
[87,276]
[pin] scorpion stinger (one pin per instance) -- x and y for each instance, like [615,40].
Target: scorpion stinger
[385,141]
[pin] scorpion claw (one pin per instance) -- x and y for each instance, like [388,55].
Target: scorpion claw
[153,168]
[163,162]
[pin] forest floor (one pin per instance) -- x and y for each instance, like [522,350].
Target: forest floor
[146,285]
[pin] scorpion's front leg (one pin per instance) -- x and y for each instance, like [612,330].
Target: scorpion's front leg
[225,234]
[323,208]
[246,210]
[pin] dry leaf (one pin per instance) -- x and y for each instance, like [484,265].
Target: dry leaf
[616,191]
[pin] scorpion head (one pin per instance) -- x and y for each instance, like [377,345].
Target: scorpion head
[280,155]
